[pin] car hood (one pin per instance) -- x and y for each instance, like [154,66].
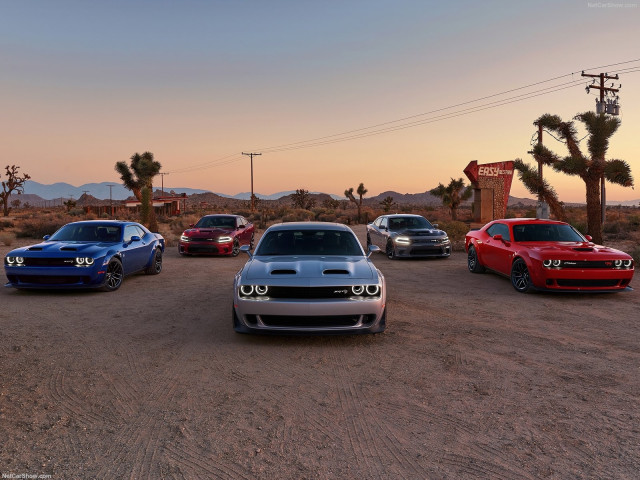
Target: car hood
[421,232]
[573,249]
[62,249]
[280,267]
[207,232]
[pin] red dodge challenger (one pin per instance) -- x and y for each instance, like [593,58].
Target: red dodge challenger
[547,255]
[217,235]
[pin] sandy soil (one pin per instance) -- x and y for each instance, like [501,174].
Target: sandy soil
[470,380]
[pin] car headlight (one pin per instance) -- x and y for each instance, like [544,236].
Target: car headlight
[184,238]
[403,240]
[445,240]
[84,261]
[254,291]
[15,261]
[366,290]
[617,263]
[627,263]
[552,263]
[225,239]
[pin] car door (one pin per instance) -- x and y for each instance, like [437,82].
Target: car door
[135,253]
[497,252]
[382,233]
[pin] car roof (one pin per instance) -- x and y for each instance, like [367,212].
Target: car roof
[106,222]
[516,221]
[310,226]
[393,215]
[221,215]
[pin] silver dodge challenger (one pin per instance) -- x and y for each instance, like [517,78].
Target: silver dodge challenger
[310,277]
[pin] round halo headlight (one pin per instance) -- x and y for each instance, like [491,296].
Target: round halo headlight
[556,263]
[261,289]
[546,263]
[617,263]
[627,263]
[80,260]
[372,289]
[11,260]
[246,289]
[89,261]
[357,289]
[19,260]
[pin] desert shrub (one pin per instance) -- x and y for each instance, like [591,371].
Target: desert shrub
[580,226]
[6,224]
[327,217]
[38,228]
[455,230]
[7,238]
[636,255]
[180,224]
[298,215]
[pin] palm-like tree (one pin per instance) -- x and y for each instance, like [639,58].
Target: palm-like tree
[590,168]
[452,195]
[361,191]
[139,179]
[539,186]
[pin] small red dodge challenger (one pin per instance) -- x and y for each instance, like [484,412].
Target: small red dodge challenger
[217,235]
[547,255]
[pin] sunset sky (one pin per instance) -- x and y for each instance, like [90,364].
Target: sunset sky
[87,84]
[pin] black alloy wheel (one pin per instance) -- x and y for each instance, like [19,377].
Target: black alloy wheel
[114,276]
[391,250]
[156,265]
[235,250]
[520,278]
[472,261]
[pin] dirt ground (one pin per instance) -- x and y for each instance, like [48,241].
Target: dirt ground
[470,380]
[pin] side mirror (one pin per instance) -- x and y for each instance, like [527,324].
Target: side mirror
[373,248]
[191,225]
[46,237]
[240,226]
[135,238]
[588,237]
[435,225]
[497,236]
[246,249]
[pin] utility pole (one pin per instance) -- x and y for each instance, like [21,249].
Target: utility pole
[252,200]
[163,174]
[603,108]
[542,210]
[110,199]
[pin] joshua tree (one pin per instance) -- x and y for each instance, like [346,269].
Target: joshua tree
[138,178]
[387,203]
[452,195]
[302,199]
[69,204]
[361,191]
[590,168]
[14,183]
[538,186]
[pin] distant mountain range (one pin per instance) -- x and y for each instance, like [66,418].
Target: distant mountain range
[35,193]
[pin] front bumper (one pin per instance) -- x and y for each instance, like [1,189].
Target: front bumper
[423,251]
[583,280]
[327,316]
[55,277]
[205,248]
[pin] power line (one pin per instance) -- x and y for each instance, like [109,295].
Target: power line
[390,127]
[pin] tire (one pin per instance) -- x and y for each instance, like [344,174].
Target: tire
[473,263]
[520,278]
[391,251]
[114,276]
[235,250]
[252,242]
[368,242]
[156,265]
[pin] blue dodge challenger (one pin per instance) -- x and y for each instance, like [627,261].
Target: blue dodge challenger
[94,254]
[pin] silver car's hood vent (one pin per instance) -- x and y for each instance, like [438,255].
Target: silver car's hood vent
[305,267]
[335,271]
[283,272]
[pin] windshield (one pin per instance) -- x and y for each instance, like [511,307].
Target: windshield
[403,223]
[309,242]
[545,232]
[216,222]
[82,232]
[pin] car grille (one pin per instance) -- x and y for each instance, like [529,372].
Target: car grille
[203,249]
[427,251]
[311,293]
[311,321]
[49,279]
[49,262]
[579,282]
[587,264]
